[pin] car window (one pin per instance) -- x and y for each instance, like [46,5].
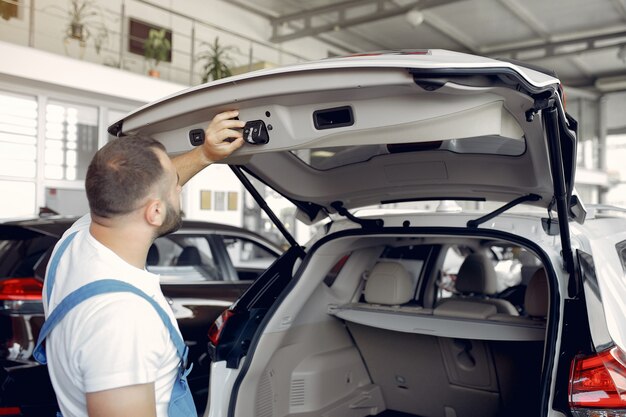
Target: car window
[513,265]
[19,257]
[183,259]
[412,257]
[329,158]
[246,254]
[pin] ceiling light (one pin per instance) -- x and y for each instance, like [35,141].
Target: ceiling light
[608,84]
[322,154]
[414,17]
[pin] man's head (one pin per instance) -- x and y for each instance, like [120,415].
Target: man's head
[134,175]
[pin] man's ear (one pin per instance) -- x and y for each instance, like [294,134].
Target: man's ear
[155,212]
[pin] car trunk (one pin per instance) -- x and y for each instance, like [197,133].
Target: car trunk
[328,350]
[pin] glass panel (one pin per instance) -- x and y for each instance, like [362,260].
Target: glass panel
[71,140]
[256,220]
[18,198]
[18,135]
[67,202]
[615,157]
[220,200]
[329,158]
[245,253]
[182,259]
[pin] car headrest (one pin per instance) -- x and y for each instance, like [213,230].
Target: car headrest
[189,256]
[389,283]
[536,299]
[477,275]
[153,255]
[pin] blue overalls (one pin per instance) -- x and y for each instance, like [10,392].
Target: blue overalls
[181,402]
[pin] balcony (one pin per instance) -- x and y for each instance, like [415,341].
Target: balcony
[114,34]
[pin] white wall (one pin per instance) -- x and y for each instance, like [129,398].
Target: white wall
[616,109]
[215,178]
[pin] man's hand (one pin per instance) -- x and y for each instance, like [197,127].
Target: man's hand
[220,140]
[220,137]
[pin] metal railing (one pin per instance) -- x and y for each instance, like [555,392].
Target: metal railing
[48,27]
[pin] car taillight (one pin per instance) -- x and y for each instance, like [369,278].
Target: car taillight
[598,384]
[20,289]
[10,411]
[215,331]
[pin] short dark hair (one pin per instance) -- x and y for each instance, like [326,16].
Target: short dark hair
[121,174]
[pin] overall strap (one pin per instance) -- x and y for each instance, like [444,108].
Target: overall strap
[54,264]
[92,289]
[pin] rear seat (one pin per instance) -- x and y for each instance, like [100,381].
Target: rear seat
[433,376]
[536,303]
[389,288]
[476,281]
[413,374]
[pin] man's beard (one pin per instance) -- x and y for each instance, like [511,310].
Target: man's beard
[173,221]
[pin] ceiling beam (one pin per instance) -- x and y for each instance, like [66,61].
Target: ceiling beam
[451,32]
[585,82]
[308,21]
[582,66]
[262,12]
[565,45]
[526,17]
[620,7]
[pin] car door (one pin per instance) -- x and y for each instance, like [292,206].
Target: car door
[198,283]
[249,257]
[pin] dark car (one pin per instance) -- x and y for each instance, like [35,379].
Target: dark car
[204,267]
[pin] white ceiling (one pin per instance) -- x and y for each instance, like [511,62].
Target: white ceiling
[579,39]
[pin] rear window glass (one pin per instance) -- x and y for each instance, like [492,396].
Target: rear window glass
[412,257]
[181,259]
[324,159]
[513,266]
[245,253]
[19,258]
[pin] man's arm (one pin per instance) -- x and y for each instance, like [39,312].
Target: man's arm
[215,146]
[135,400]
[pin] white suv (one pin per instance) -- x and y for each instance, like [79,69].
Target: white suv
[375,317]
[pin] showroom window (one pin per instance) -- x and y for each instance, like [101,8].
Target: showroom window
[71,140]
[18,135]
[46,144]
[18,154]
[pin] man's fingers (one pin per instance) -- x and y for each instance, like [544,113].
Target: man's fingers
[227,133]
[234,145]
[228,124]
[225,115]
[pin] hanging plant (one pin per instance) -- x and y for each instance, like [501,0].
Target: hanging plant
[85,23]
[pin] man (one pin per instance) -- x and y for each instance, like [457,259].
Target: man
[112,355]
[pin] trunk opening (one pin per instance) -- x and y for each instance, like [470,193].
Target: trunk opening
[350,343]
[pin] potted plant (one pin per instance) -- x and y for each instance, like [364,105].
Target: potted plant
[8,9]
[85,23]
[217,61]
[156,49]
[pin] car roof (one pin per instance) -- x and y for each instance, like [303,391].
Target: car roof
[55,226]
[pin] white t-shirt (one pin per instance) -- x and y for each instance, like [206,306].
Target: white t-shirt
[110,340]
